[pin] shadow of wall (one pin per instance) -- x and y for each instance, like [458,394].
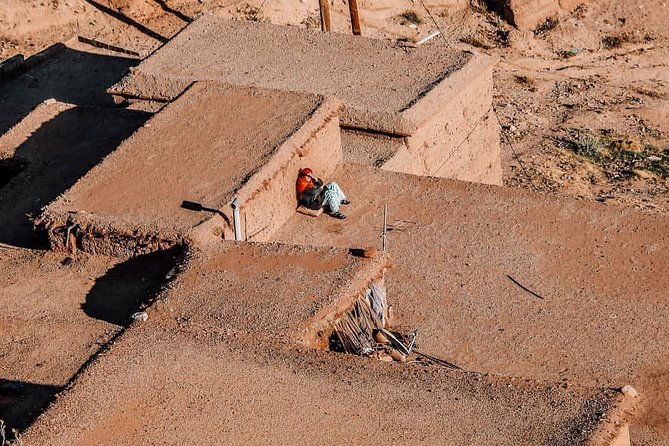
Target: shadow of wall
[129,285]
[70,76]
[54,157]
[22,402]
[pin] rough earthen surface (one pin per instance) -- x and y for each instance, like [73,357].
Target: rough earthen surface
[58,312]
[213,353]
[599,271]
[375,79]
[432,95]
[198,149]
[527,14]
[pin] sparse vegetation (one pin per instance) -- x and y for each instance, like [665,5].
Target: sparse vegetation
[620,156]
[312,21]
[611,42]
[477,40]
[251,13]
[528,81]
[549,24]
[411,17]
[488,39]
[3,436]
[479,6]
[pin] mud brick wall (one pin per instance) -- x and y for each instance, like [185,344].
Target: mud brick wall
[454,136]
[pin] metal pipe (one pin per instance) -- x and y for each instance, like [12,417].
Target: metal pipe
[236,220]
[384,234]
[427,38]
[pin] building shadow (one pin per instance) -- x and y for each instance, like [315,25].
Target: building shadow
[130,285]
[22,402]
[165,7]
[69,76]
[128,21]
[52,159]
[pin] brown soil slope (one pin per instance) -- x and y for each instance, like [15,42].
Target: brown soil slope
[600,272]
[214,354]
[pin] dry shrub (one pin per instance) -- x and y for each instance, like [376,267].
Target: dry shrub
[549,24]
[411,17]
[620,156]
[615,41]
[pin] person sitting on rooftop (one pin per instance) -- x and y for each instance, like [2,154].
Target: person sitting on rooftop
[312,194]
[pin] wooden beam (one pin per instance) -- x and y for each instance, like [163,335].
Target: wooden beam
[355,17]
[325,15]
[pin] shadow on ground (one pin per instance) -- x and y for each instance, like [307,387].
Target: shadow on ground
[70,76]
[129,285]
[60,152]
[21,403]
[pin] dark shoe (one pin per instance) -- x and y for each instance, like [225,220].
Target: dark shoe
[345,202]
[338,215]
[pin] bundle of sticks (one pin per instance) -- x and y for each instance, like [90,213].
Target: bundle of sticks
[364,330]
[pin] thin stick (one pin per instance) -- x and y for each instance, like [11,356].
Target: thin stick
[325,15]
[384,233]
[523,287]
[437,360]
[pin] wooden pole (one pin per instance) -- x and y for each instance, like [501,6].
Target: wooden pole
[325,15]
[355,17]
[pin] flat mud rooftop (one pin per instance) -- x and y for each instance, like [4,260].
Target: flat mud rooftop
[57,312]
[203,148]
[435,102]
[377,80]
[600,273]
[223,349]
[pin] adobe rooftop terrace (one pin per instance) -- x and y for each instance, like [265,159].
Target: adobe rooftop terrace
[436,100]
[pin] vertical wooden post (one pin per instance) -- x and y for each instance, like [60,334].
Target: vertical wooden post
[355,17]
[325,15]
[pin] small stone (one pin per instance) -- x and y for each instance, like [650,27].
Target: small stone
[140,316]
[50,101]
[370,252]
[629,391]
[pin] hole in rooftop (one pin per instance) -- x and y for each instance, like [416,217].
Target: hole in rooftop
[9,168]
[366,329]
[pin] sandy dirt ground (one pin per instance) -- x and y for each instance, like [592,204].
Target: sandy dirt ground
[583,103]
[600,273]
[58,312]
[218,351]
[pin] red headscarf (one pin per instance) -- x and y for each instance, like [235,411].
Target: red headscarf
[304,181]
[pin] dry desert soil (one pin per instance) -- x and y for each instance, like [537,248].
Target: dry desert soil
[550,291]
